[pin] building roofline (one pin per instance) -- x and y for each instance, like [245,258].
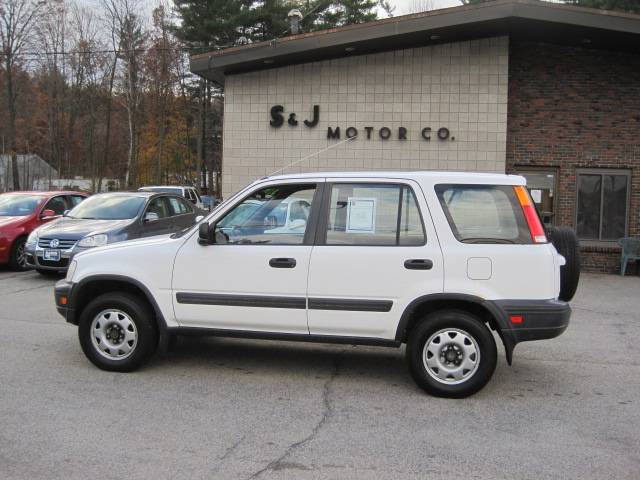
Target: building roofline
[527,19]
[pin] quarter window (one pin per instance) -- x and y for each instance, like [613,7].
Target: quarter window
[276,215]
[484,213]
[602,207]
[374,214]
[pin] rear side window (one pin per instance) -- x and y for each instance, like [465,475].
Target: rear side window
[179,206]
[374,214]
[484,213]
[159,206]
[75,200]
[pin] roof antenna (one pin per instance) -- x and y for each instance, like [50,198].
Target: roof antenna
[311,155]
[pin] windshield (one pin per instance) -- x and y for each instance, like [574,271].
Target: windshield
[18,205]
[107,207]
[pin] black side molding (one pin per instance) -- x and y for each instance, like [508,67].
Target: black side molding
[264,301]
[241,300]
[350,305]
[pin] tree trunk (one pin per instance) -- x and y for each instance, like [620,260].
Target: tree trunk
[107,136]
[161,137]
[209,157]
[202,136]
[11,100]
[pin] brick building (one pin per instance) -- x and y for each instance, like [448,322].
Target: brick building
[548,91]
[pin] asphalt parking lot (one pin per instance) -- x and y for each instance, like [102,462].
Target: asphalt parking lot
[228,408]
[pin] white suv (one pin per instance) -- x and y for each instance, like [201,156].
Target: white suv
[431,259]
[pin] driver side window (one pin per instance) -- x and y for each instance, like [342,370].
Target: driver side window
[276,215]
[57,204]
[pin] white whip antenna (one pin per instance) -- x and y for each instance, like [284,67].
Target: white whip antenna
[311,155]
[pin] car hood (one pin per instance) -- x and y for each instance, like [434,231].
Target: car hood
[137,243]
[74,228]
[11,221]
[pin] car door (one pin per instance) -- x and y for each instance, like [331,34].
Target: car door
[163,224]
[252,278]
[376,251]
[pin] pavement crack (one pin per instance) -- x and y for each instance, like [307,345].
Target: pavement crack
[327,412]
[609,313]
[231,449]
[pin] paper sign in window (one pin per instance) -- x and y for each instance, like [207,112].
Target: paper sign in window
[536,195]
[361,215]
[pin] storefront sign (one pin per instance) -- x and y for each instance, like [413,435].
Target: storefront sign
[384,133]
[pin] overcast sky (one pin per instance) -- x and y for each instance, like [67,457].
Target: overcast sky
[411,6]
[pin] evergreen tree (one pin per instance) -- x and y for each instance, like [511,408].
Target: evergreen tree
[210,23]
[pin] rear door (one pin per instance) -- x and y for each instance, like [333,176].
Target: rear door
[376,251]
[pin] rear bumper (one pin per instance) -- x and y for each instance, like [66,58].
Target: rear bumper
[63,294]
[526,320]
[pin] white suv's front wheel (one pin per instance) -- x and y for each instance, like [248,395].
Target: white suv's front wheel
[117,332]
[451,354]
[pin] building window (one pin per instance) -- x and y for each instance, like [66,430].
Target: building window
[542,187]
[603,204]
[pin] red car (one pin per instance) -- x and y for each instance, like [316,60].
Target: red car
[23,212]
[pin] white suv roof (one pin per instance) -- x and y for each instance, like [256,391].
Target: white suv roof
[431,176]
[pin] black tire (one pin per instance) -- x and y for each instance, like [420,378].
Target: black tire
[17,252]
[469,325]
[138,312]
[567,245]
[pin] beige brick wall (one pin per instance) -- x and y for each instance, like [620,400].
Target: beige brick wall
[461,86]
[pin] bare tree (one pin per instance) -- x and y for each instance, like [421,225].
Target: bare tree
[89,68]
[161,60]
[131,41]
[17,18]
[50,33]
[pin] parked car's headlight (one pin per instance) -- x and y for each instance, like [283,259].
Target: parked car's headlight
[32,239]
[71,270]
[94,241]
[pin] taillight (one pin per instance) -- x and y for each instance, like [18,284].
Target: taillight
[533,221]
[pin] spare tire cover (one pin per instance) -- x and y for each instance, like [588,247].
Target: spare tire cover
[566,243]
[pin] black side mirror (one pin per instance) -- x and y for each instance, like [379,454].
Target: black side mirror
[205,234]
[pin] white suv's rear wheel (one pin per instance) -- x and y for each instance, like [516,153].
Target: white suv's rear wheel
[451,354]
[117,332]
